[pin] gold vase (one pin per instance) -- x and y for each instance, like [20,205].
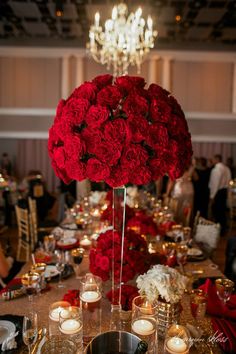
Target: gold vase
[167,314]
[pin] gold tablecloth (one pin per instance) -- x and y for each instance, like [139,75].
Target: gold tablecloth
[20,305]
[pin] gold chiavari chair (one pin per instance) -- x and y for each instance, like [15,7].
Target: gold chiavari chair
[25,242]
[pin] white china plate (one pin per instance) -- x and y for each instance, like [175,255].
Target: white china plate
[67,242]
[51,271]
[6,329]
[194,252]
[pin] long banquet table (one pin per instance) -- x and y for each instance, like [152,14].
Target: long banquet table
[19,306]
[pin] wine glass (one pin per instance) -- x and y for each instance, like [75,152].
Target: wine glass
[30,329]
[30,282]
[60,265]
[224,289]
[182,251]
[77,257]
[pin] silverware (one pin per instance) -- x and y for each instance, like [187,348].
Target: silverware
[41,334]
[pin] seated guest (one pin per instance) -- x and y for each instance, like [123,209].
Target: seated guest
[4,265]
[230,259]
[6,164]
[34,186]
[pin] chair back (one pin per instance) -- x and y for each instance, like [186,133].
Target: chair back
[207,235]
[33,218]
[24,239]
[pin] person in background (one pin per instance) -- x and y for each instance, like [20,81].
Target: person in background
[6,164]
[230,164]
[218,185]
[4,267]
[182,190]
[201,189]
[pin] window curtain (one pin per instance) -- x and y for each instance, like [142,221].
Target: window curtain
[208,150]
[32,154]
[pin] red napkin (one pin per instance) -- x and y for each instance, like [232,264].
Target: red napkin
[224,334]
[215,306]
[13,284]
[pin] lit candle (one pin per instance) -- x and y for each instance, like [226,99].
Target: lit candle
[176,345]
[70,326]
[54,314]
[90,296]
[96,19]
[143,327]
[85,241]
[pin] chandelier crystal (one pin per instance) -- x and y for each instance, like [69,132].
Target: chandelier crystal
[125,40]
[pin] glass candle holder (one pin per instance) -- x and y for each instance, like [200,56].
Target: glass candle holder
[90,296]
[224,289]
[40,269]
[177,340]
[198,304]
[71,325]
[144,321]
[85,242]
[54,314]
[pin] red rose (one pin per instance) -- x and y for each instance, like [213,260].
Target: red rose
[158,168]
[61,173]
[178,126]
[59,111]
[118,177]
[157,136]
[135,105]
[139,126]
[96,170]
[75,110]
[88,90]
[117,131]
[141,175]
[109,96]
[60,156]
[160,111]
[157,91]
[96,116]
[91,138]
[108,153]
[176,108]
[103,80]
[76,169]
[128,83]
[74,146]
[133,155]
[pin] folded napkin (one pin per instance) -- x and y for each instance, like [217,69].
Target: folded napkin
[224,334]
[13,290]
[18,322]
[10,342]
[215,306]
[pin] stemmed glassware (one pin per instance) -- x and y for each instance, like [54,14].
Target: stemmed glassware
[60,265]
[30,329]
[182,251]
[77,255]
[40,269]
[30,282]
[224,289]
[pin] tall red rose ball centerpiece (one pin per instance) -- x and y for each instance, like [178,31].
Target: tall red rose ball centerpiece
[118,132]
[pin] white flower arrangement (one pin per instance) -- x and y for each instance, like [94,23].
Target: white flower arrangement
[162,281]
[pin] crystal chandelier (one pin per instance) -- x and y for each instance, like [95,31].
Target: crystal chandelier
[125,41]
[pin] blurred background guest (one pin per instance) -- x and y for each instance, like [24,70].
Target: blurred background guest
[201,188]
[231,166]
[218,184]
[6,164]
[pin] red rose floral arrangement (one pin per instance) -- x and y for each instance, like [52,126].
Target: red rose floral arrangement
[118,132]
[136,258]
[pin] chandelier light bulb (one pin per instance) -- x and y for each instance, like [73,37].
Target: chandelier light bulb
[124,41]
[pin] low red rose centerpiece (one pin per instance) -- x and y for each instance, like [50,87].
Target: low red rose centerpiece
[118,132]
